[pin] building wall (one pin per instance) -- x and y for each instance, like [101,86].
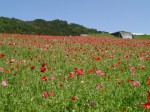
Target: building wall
[126,35]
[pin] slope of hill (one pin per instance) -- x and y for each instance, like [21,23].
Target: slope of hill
[42,27]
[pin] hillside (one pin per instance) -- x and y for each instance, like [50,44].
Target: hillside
[42,27]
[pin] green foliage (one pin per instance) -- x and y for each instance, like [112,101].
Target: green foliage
[42,27]
[142,36]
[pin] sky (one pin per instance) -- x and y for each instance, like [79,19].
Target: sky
[103,15]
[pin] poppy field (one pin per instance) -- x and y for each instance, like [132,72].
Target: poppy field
[73,74]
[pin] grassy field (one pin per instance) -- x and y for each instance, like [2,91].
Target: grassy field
[142,36]
[73,74]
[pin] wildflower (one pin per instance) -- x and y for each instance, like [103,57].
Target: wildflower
[42,69]
[148,81]
[24,61]
[43,64]
[2,55]
[32,67]
[136,83]
[31,58]
[98,58]
[49,68]
[99,86]
[142,67]
[148,96]
[71,75]
[100,72]
[73,98]
[79,71]
[1,69]
[52,78]
[126,57]
[90,70]
[45,94]
[60,84]
[147,105]
[130,80]
[44,78]
[7,71]
[120,82]
[131,68]
[51,93]
[4,83]
[118,63]
[123,69]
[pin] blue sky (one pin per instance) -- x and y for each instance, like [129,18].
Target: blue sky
[103,15]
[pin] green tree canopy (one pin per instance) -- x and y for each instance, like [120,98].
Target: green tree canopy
[40,26]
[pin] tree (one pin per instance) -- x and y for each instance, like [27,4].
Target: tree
[40,26]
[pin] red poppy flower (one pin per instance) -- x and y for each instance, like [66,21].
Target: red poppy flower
[51,93]
[45,94]
[98,58]
[99,86]
[43,64]
[7,71]
[71,75]
[119,63]
[31,58]
[44,78]
[123,69]
[79,71]
[130,80]
[147,105]
[60,84]
[2,55]
[148,96]
[49,68]
[126,57]
[120,82]
[42,69]
[73,98]
[32,67]
[148,81]
[90,70]
[142,67]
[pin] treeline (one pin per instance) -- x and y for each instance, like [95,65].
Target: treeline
[42,27]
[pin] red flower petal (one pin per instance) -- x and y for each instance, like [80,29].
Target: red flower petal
[147,105]
[45,94]
[32,67]
[148,81]
[43,64]
[44,78]
[148,96]
[42,69]
[73,98]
